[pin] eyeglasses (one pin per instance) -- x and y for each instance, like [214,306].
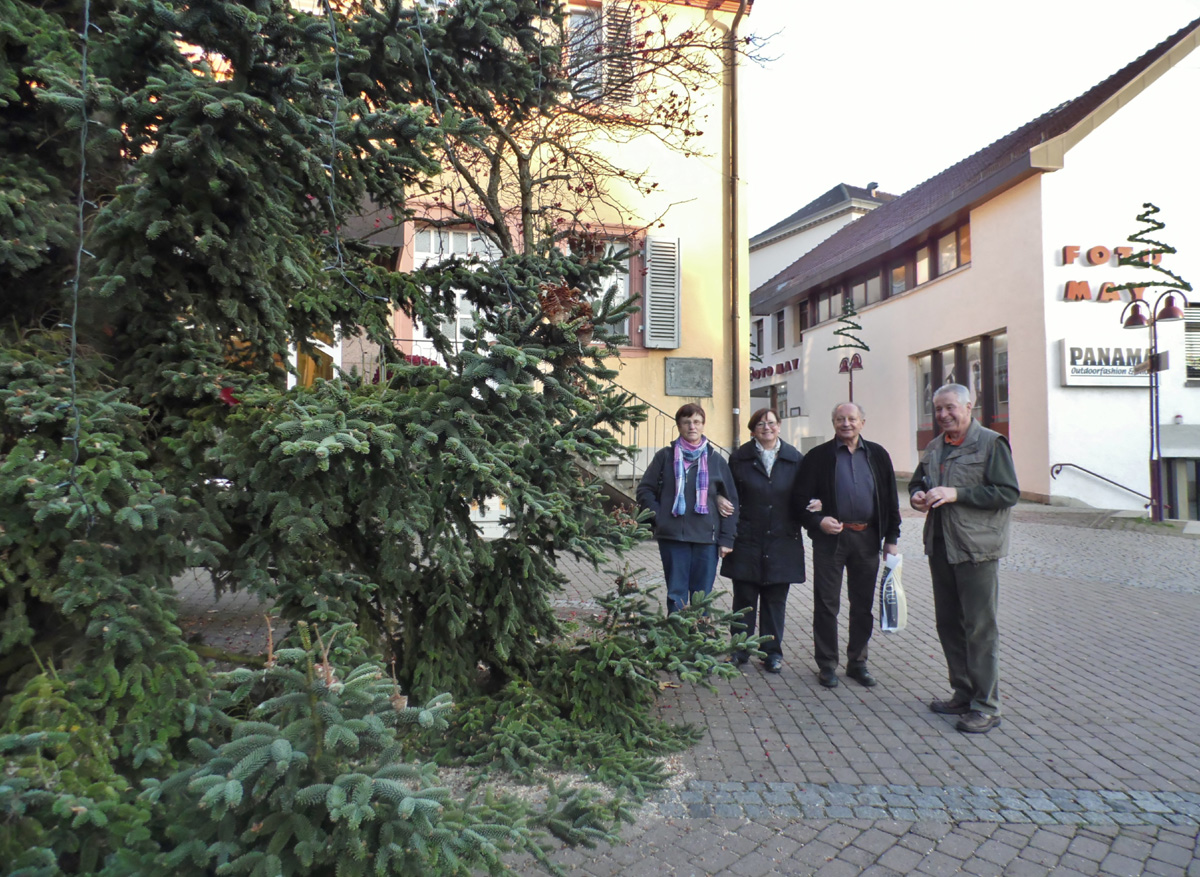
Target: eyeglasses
[767,424]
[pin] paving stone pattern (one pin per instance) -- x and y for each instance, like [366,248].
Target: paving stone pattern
[1095,769]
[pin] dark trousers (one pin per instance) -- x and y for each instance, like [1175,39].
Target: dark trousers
[769,602]
[857,554]
[689,568]
[965,600]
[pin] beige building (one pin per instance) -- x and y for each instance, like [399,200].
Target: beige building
[996,273]
[687,235]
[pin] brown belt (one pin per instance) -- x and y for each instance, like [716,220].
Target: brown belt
[857,528]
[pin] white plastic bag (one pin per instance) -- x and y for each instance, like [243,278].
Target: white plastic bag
[893,608]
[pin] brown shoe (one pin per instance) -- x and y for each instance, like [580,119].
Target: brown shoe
[976,722]
[950,707]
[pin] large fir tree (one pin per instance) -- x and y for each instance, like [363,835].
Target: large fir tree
[175,182]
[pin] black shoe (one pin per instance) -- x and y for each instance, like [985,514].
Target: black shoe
[828,677]
[739,658]
[976,722]
[950,707]
[773,664]
[862,676]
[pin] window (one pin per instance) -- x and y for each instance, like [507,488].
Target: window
[1191,341]
[758,338]
[778,399]
[898,278]
[1000,376]
[585,56]
[858,294]
[923,265]
[974,375]
[801,320]
[874,289]
[431,245]
[925,393]
[779,330]
[947,253]
[981,365]
[954,249]
[600,54]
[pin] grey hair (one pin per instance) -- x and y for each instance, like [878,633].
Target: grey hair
[957,390]
[862,415]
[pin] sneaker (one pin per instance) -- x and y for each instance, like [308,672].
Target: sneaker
[950,707]
[976,722]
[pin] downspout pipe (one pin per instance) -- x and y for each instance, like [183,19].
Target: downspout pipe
[735,314]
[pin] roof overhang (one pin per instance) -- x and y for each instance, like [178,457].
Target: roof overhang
[718,5]
[1051,154]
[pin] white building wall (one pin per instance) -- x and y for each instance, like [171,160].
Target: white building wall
[767,261]
[998,291]
[1145,152]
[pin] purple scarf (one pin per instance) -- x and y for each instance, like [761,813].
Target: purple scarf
[686,451]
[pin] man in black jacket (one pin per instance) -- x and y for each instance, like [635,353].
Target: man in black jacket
[856,484]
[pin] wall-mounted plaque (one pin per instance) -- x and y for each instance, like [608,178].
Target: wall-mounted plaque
[689,376]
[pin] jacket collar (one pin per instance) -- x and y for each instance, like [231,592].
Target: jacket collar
[749,452]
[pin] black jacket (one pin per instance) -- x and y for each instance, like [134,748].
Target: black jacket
[770,544]
[656,492]
[817,474]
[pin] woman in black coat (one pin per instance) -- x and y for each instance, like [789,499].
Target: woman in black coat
[768,554]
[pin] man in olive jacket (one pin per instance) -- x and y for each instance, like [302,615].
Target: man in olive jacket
[967,484]
[860,512]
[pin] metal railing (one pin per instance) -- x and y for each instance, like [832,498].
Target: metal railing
[646,438]
[1056,468]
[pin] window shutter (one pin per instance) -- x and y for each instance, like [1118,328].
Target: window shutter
[619,67]
[660,305]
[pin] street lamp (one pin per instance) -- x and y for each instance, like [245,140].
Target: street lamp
[1141,316]
[849,365]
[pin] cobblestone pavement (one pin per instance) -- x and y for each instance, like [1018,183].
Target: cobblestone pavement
[1095,770]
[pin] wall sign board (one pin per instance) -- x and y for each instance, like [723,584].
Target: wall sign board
[1104,361]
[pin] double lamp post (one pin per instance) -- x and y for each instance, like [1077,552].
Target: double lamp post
[1142,316]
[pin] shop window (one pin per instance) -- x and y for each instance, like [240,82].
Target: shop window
[924,400]
[1000,377]
[974,374]
[981,365]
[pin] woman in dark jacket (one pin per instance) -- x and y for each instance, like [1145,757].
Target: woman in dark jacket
[768,554]
[681,487]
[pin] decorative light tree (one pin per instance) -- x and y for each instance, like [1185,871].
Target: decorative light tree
[846,329]
[1142,316]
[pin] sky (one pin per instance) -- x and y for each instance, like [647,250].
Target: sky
[893,92]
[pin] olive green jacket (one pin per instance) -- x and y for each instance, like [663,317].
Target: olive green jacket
[981,469]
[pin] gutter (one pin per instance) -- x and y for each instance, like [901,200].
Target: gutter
[735,316]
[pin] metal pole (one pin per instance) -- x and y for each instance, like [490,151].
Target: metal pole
[1156,506]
